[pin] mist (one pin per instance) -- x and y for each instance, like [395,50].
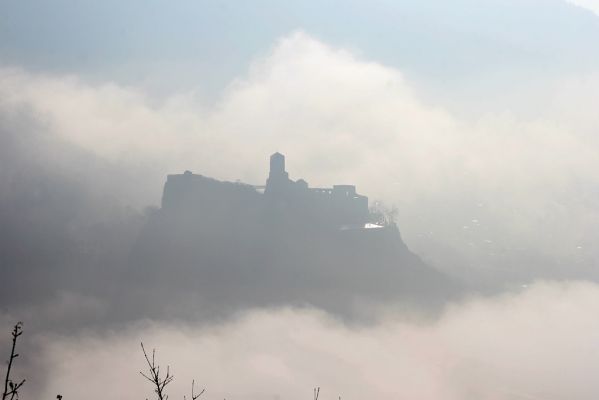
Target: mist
[471,128]
[538,343]
[491,198]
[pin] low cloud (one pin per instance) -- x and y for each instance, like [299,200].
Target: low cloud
[591,5]
[537,344]
[493,197]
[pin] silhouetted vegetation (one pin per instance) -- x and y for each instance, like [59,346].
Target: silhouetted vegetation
[11,387]
[160,381]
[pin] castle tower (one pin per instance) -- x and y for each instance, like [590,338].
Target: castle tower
[278,179]
[277,165]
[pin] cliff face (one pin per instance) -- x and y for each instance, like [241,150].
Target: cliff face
[236,245]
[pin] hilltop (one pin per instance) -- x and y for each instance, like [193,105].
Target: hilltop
[281,243]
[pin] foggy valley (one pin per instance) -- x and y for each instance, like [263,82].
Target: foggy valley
[386,200]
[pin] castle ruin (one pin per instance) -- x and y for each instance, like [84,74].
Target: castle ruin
[339,206]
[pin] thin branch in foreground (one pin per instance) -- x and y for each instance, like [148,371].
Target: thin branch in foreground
[154,375]
[11,388]
[193,395]
[160,382]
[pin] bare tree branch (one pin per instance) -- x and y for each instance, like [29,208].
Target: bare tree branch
[154,377]
[193,395]
[11,388]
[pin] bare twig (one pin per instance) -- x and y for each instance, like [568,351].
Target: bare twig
[154,375]
[193,395]
[316,393]
[160,382]
[11,388]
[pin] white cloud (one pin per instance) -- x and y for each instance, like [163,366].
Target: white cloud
[529,183]
[592,5]
[539,344]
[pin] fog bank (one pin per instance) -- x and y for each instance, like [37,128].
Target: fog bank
[503,197]
[539,343]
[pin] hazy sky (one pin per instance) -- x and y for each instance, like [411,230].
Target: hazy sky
[206,44]
[477,119]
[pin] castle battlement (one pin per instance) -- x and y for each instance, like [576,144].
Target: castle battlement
[339,205]
[341,202]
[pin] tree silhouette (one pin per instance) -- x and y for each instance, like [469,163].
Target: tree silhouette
[160,382]
[11,388]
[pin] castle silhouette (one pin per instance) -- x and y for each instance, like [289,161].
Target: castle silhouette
[339,205]
[283,242]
